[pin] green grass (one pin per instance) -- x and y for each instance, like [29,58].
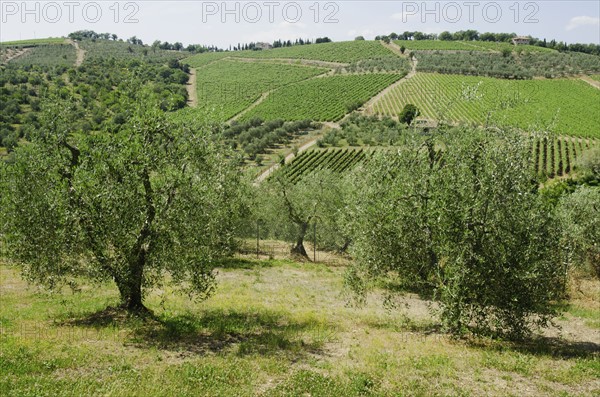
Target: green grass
[563,105]
[321,99]
[596,77]
[227,87]
[34,42]
[273,328]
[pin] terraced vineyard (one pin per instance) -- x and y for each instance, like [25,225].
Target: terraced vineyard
[321,99]
[335,160]
[562,104]
[227,87]
[343,52]
[555,156]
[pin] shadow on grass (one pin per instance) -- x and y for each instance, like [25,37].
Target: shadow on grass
[543,346]
[239,332]
[422,290]
[240,263]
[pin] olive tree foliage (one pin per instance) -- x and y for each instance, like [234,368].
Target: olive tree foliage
[150,199]
[579,215]
[588,166]
[408,114]
[290,208]
[459,215]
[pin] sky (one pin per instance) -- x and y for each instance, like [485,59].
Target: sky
[225,23]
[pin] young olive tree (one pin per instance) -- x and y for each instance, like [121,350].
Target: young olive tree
[394,214]
[579,215]
[460,214]
[149,199]
[293,206]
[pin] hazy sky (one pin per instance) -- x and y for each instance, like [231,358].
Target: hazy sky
[228,22]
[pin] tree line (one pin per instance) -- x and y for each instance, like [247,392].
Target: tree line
[474,35]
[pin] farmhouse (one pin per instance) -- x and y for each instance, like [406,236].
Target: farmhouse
[264,46]
[520,40]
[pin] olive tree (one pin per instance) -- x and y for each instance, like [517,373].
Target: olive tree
[149,199]
[459,214]
[291,206]
[408,114]
[579,215]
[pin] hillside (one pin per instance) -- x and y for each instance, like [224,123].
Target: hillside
[327,81]
[412,215]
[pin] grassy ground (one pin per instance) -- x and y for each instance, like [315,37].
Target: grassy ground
[275,328]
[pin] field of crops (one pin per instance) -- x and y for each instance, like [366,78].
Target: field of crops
[33,42]
[335,160]
[343,52]
[48,55]
[205,58]
[556,156]
[564,106]
[431,45]
[321,99]
[227,87]
[551,156]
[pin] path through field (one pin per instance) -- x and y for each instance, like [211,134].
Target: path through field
[368,107]
[191,89]
[395,48]
[80,53]
[263,96]
[591,81]
[15,54]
